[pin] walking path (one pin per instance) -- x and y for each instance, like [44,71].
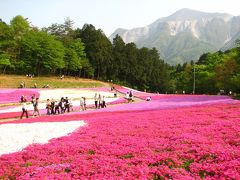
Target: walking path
[76,109]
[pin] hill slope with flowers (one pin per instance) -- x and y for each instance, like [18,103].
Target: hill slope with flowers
[170,137]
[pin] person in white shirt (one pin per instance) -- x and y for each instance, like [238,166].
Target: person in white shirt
[99,101]
[103,102]
[96,100]
[24,107]
[148,98]
[127,97]
[82,104]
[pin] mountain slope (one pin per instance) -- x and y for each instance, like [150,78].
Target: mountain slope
[232,43]
[184,35]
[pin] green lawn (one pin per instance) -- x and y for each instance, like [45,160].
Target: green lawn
[13,81]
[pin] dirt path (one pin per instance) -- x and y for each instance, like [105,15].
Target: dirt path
[89,109]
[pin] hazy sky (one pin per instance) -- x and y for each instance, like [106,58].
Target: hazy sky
[107,14]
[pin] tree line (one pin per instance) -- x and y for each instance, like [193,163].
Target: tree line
[62,50]
[213,72]
[86,52]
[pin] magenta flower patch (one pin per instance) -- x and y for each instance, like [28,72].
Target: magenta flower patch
[169,137]
[182,143]
[13,95]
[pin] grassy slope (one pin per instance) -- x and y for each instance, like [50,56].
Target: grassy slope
[13,81]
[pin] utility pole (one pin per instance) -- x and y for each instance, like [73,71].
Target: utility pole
[194,78]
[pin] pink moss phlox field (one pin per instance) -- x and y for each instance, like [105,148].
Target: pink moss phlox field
[175,101]
[170,97]
[10,115]
[100,89]
[13,95]
[183,143]
[139,94]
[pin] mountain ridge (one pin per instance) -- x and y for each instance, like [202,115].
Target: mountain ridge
[184,35]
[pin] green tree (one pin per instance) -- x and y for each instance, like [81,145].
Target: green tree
[227,75]
[41,53]
[119,57]
[19,27]
[4,62]
[98,49]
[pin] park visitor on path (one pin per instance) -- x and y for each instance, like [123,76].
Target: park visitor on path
[24,107]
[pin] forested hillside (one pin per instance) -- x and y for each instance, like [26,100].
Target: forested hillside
[86,52]
[213,72]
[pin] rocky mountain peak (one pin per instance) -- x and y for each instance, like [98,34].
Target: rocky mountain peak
[184,35]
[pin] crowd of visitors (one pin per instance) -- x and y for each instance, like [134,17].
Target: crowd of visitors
[34,101]
[61,106]
[99,101]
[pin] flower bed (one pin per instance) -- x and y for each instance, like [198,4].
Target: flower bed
[136,93]
[175,101]
[170,137]
[13,95]
[183,143]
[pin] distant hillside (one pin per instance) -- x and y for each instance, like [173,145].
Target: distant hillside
[232,43]
[184,35]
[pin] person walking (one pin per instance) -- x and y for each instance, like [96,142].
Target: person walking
[57,107]
[61,105]
[103,102]
[82,104]
[35,107]
[24,107]
[67,105]
[99,101]
[127,97]
[52,106]
[131,96]
[96,101]
[48,107]
[33,98]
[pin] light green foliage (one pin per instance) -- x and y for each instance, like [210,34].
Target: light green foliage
[19,26]
[4,62]
[213,71]
[42,53]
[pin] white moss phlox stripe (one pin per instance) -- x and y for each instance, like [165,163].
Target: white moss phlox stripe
[71,93]
[15,137]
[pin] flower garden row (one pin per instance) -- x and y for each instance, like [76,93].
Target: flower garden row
[183,143]
[13,95]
